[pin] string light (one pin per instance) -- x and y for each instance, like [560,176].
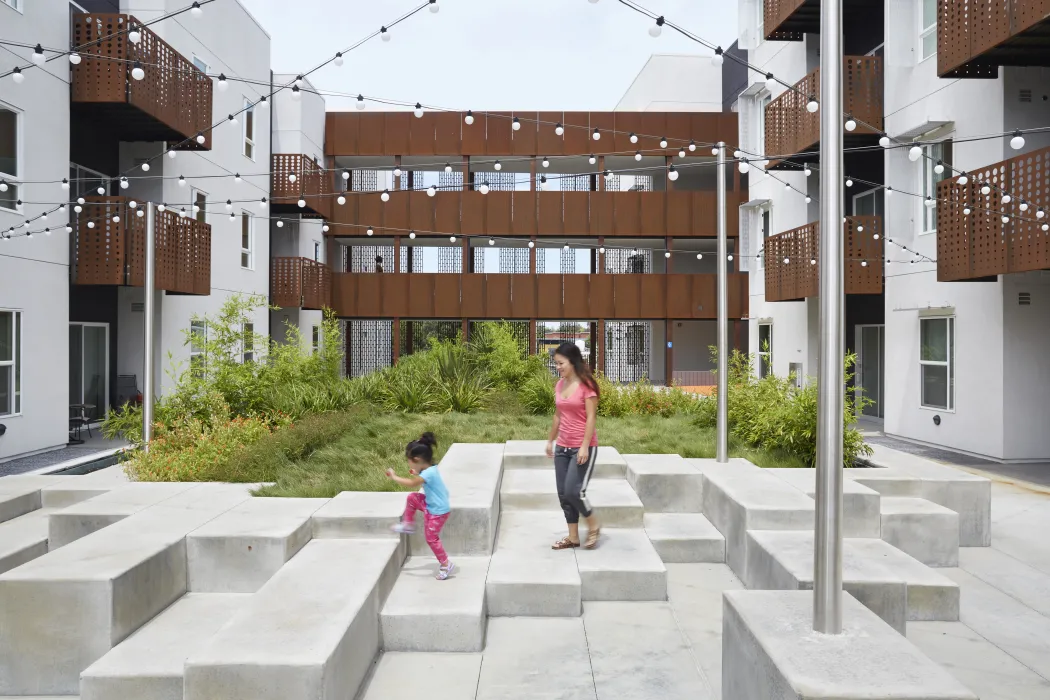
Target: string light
[592,160]
[340,200]
[196,10]
[681,153]
[884,141]
[360,104]
[672,173]
[38,55]
[369,231]
[431,191]
[134,35]
[448,167]
[545,163]
[633,137]
[469,119]
[717,59]
[657,29]
[418,111]
[596,135]
[516,124]
[663,142]
[812,105]
[338,60]
[384,33]
[385,196]
[1017,142]
[297,94]
[412,234]
[397,171]
[559,129]
[914,153]
[692,145]
[771,82]
[939,168]
[743,166]
[851,123]
[806,171]
[16,75]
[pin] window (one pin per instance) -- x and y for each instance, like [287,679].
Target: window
[201,65]
[937,362]
[765,350]
[13,4]
[760,135]
[247,241]
[315,340]
[763,236]
[760,22]
[9,160]
[249,129]
[795,370]
[248,342]
[200,201]
[927,29]
[317,251]
[934,153]
[198,351]
[868,203]
[10,363]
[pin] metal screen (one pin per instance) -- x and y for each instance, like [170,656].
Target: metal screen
[551,334]
[520,330]
[370,258]
[416,335]
[620,261]
[627,350]
[369,346]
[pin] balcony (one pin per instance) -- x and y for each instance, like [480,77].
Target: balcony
[975,37]
[794,131]
[300,283]
[529,296]
[799,277]
[172,103]
[790,20]
[109,248]
[312,185]
[678,214]
[980,246]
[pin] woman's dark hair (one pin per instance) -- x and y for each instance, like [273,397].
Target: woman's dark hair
[571,352]
[423,448]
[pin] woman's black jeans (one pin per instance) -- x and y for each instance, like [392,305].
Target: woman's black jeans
[573,478]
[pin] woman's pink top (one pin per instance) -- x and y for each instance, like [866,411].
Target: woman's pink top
[573,414]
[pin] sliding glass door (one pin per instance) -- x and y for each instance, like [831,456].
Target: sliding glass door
[89,368]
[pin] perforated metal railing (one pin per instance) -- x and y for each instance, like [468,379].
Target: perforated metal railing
[311,183]
[300,283]
[975,37]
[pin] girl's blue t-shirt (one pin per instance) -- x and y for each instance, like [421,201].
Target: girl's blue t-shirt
[435,490]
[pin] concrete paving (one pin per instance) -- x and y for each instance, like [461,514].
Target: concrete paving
[665,483]
[23,539]
[67,491]
[921,528]
[433,676]
[685,538]
[527,658]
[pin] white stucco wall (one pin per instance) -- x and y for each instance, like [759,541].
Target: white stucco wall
[674,83]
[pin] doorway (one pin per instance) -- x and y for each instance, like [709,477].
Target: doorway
[89,368]
[868,378]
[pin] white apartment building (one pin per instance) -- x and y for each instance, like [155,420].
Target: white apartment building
[71,304]
[959,364]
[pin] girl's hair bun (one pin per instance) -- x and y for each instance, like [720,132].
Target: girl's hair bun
[428,439]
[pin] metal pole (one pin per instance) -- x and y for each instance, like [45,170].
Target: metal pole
[827,559]
[148,309]
[722,421]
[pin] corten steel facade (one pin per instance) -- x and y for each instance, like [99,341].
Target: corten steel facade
[975,37]
[682,211]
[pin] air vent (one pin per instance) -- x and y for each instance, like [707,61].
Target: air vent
[1024,298]
[138,307]
[1025,95]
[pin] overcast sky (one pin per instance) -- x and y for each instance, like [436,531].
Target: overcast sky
[486,54]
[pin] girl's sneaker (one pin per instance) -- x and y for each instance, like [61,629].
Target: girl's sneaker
[445,571]
[403,528]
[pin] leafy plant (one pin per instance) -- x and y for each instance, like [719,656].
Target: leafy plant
[537,393]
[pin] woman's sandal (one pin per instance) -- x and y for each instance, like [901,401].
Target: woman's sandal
[592,538]
[565,543]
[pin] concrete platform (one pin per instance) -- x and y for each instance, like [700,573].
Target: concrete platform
[310,633]
[431,676]
[149,664]
[625,566]
[529,489]
[921,528]
[665,483]
[875,569]
[81,519]
[472,474]
[526,577]
[69,490]
[531,454]
[685,538]
[74,604]
[739,497]
[529,658]
[613,500]
[23,539]
[241,549]
[359,514]
[859,503]
[615,503]
[20,495]
[770,652]
[424,614]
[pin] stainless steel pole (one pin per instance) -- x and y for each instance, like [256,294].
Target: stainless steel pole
[722,420]
[827,559]
[148,309]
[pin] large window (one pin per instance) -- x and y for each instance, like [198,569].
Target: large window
[934,154]
[10,362]
[247,241]
[760,136]
[937,362]
[927,28]
[249,129]
[9,157]
[765,350]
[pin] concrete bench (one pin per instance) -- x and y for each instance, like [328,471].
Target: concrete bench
[423,614]
[310,633]
[625,566]
[685,538]
[69,490]
[74,604]
[921,528]
[739,496]
[20,494]
[531,454]
[81,519]
[665,483]
[472,474]
[149,665]
[359,514]
[860,504]
[241,549]
[613,500]
[23,539]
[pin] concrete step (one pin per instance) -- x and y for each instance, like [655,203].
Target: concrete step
[149,664]
[528,578]
[74,604]
[625,566]
[613,500]
[860,504]
[359,514]
[529,489]
[739,497]
[69,490]
[23,539]
[893,585]
[472,474]
[921,528]
[312,631]
[424,614]
[20,494]
[685,538]
[436,676]
[241,549]
[665,483]
[529,658]
[531,454]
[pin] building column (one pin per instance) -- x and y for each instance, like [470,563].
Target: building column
[669,262]
[601,173]
[532,256]
[466,173]
[600,267]
[532,175]
[409,338]
[668,182]
[532,336]
[465,330]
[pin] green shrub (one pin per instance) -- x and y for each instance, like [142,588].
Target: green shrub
[500,355]
[266,459]
[613,401]
[537,394]
[463,394]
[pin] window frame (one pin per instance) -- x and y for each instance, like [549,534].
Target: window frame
[765,215]
[760,23]
[768,354]
[249,252]
[317,251]
[14,180]
[204,67]
[15,363]
[949,364]
[248,342]
[762,100]
[928,180]
[15,5]
[315,339]
[202,215]
[249,139]
[926,30]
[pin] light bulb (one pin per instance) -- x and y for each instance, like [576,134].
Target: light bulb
[369,231]
[360,102]
[515,124]
[863,263]
[297,94]
[301,203]
[451,239]
[714,151]
[559,129]
[291,177]
[808,199]
[338,60]
[262,203]
[743,166]
[182,181]
[412,234]
[717,59]
[434,7]
[340,200]
[182,213]
[1007,199]
[1023,206]
[397,171]
[667,254]
[565,247]
[196,10]
[596,135]
[1039,214]
[966,211]
[771,82]
[1046,227]
[484,189]
[914,153]
[124,184]
[385,196]
[602,250]
[699,256]
[134,36]
[930,203]
[69,229]
[171,155]
[543,182]
[860,229]
[592,160]
[806,171]
[237,179]
[65,185]
[145,167]
[74,58]
[101,191]
[200,137]
[875,236]
[78,209]
[16,75]
[692,145]
[812,105]
[849,182]
[681,153]
[492,242]
[232,119]
[738,154]
[1006,219]
[884,141]
[448,167]
[43,217]
[384,33]
[608,174]
[657,29]
[280,224]
[985,189]
[418,111]
[1017,142]
[633,137]
[431,191]
[233,217]
[663,142]
[672,173]
[889,191]
[132,204]
[851,123]
[637,155]
[787,260]
[497,166]
[545,163]
[222,82]
[469,119]
[963,179]
[532,244]
[80,200]
[91,224]
[38,55]
[787,185]
[729,257]
[229,205]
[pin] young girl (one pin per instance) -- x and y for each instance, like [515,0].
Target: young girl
[576,412]
[433,502]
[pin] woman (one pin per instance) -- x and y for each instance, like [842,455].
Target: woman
[575,415]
